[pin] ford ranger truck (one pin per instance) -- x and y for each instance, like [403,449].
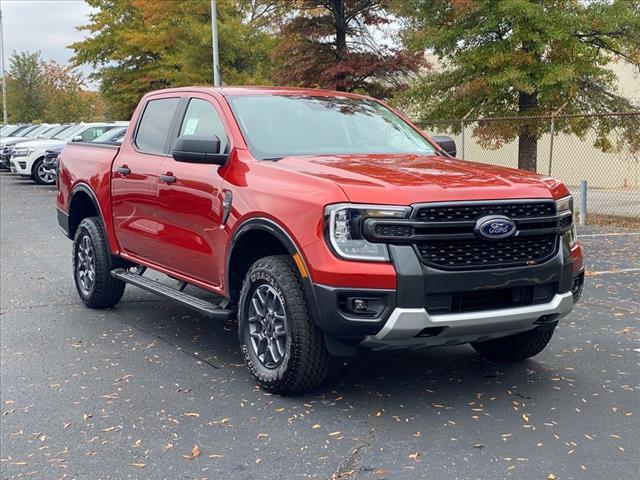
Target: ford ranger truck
[325,222]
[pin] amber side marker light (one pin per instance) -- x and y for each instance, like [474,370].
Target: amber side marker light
[300,264]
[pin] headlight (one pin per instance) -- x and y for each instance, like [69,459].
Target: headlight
[564,204]
[23,152]
[344,230]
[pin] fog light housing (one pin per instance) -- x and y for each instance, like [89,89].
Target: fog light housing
[361,305]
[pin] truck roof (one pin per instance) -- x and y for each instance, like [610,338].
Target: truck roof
[259,90]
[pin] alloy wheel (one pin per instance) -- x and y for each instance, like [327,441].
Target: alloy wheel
[86,265]
[267,326]
[45,176]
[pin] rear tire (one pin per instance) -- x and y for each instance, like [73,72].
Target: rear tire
[92,265]
[282,346]
[515,348]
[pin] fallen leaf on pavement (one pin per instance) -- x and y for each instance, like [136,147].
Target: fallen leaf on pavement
[195,452]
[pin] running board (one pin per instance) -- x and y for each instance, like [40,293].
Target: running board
[206,308]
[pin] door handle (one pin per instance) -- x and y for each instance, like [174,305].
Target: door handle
[167,178]
[123,170]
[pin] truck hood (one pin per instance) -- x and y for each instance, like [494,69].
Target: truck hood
[407,179]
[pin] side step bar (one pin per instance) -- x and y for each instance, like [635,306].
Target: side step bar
[206,308]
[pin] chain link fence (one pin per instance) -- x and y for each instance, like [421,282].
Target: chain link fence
[599,151]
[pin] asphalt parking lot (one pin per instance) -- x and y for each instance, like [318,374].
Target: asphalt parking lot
[151,390]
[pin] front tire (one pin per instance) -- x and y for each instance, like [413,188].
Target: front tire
[92,265]
[515,348]
[282,346]
[40,175]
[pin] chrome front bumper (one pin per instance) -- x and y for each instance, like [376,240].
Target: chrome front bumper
[404,324]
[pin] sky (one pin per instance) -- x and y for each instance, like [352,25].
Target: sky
[44,25]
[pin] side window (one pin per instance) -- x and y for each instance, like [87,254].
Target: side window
[201,118]
[92,133]
[155,123]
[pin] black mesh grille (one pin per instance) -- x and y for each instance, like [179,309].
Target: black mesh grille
[393,230]
[477,253]
[566,221]
[461,213]
[489,299]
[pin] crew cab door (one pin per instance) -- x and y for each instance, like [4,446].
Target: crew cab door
[191,196]
[134,181]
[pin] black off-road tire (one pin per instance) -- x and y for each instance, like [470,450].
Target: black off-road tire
[305,362]
[515,348]
[106,291]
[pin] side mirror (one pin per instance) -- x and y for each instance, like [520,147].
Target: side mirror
[198,149]
[446,143]
[77,138]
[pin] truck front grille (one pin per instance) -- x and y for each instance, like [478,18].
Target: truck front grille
[466,212]
[510,252]
[444,236]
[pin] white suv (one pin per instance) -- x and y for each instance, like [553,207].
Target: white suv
[27,157]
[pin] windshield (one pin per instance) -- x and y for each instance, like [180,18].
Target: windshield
[18,132]
[7,130]
[277,126]
[26,133]
[34,132]
[19,129]
[68,132]
[53,131]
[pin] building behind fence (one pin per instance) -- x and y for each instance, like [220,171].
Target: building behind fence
[613,177]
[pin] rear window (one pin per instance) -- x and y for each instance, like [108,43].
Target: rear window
[154,125]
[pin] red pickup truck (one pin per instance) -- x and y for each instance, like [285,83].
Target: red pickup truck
[325,221]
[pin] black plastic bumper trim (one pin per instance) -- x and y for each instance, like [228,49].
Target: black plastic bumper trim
[336,323]
[410,280]
[63,221]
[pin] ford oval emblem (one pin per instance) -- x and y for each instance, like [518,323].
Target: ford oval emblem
[495,227]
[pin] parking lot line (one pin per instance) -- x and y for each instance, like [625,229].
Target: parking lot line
[607,272]
[619,234]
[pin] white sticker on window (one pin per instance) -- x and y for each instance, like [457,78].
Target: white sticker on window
[190,127]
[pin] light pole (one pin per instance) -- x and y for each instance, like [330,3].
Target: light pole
[214,41]
[4,80]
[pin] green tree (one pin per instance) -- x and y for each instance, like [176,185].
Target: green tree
[48,92]
[142,45]
[339,44]
[25,77]
[65,97]
[523,57]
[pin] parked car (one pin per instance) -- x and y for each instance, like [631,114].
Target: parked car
[29,131]
[113,136]
[9,130]
[325,221]
[27,158]
[7,146]
[50,163]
